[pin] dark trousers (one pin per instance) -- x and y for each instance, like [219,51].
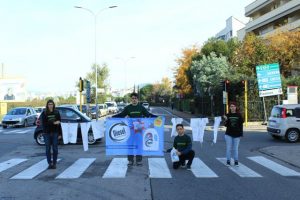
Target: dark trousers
[51,141]
[138,158]
[189,156]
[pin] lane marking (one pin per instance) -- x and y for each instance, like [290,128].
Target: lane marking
[242,170]
[116,169]
[277,168]
[200,170]
[76,169]
[33,171]
[158,168]
[10,163]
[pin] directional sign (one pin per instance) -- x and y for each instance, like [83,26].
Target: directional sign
[268,78]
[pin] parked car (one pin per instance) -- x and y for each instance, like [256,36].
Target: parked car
[112,107]
[84,109]
[68,115]
[20,116]
[146,105]
[121,106]
[39,110]
[284,122]
[103,110]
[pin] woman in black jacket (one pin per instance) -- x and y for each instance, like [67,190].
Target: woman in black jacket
[234,123]
[51,125]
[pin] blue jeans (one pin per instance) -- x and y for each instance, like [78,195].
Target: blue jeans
[51,140]
[232,145]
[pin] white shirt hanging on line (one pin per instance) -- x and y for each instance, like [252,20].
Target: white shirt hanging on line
[84,134]
[98,129]
[216,127]
[203,123]
[175,121]
[195,125]
[69,132]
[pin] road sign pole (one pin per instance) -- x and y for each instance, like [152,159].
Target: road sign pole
[246,103]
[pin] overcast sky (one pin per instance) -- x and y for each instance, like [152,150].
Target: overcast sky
[51,43]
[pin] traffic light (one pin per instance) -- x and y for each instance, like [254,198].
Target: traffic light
[81,85]
[242,84]
[225,85]
[88,91]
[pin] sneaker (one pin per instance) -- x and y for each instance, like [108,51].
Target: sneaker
[188,167]
[53,166]
[228,163]
[139,163]
[236,163]
[49,166]
[182,165]
[130,163]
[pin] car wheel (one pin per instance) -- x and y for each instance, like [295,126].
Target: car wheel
[25,123]
[277,137]
[91,138]
[40,139]
[292,135]
[4,126]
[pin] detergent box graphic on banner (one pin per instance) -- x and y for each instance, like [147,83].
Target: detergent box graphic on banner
[135,136]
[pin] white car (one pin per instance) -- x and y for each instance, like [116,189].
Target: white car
[112,106]
[146,105]
[285,122]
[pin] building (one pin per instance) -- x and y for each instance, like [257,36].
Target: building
[230,31]
[270,16]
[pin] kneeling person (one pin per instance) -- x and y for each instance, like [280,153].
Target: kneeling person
[183,145]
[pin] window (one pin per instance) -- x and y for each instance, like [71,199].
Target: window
[68,114]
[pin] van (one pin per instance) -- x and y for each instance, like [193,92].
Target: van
[112,107]
[284,122]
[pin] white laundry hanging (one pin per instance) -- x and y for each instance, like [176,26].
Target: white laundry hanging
[69,132]
[84,134]
[195,125]
[203,123]
[98,129]
[216,127]
[175,121]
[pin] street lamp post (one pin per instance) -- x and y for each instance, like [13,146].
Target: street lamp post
[95,48]
[125,68]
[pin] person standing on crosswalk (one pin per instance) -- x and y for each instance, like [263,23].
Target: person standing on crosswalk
[51,125]
[234,131]
[134,110]
[183,145]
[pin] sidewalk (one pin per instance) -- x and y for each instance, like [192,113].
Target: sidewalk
[289,153]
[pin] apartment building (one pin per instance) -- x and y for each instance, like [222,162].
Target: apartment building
[269,16]
[230,31]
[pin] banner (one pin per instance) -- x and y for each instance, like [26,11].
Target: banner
[135,136]
[12,89]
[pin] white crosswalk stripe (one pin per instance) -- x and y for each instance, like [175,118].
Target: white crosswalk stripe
[116,169]
[200,170]
[33,171]
[76,169]
[284,171]
[242,170]
[158,168]
[10,163]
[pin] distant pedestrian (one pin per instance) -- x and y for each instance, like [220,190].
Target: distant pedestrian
[134,110]
[172,105]
[51,126]
[183,145]
[234,131]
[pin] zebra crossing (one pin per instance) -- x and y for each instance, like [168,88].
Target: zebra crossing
[157,168]
[17,131]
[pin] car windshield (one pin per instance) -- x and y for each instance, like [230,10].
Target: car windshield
[93,108]
[17,111]
[109,104]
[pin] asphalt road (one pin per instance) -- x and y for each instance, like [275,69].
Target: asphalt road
[251,180]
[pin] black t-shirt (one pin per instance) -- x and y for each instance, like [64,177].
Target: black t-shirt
[48,122]
[234,124]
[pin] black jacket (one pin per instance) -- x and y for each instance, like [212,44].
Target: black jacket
[234,124]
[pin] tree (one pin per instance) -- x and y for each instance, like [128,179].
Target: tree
[286,48]
[182,79]
[145,93]
[218,46]
[102,80]
[209,71]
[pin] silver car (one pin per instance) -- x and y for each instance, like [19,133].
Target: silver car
[284,122]
[20,116]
